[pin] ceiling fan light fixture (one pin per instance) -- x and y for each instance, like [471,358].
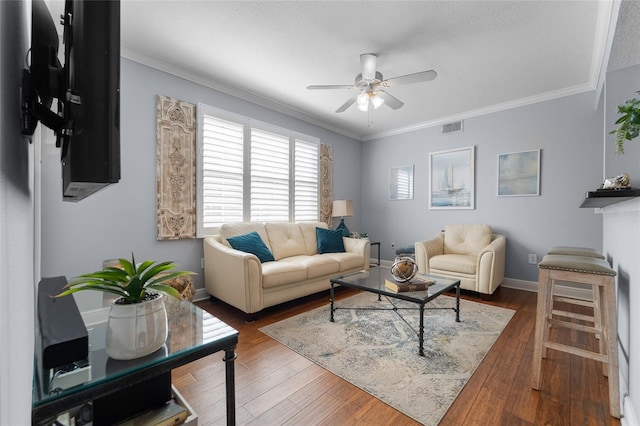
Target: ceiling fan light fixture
[363,101]
[376,100]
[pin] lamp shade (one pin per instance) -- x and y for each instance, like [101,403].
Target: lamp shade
[342,208]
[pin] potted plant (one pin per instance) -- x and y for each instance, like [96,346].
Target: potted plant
[137,324]
[629,123]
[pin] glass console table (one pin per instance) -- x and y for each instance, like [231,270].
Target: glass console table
[193,334]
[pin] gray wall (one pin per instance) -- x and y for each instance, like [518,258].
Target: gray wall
[569,133]
[76,237]
[16,224]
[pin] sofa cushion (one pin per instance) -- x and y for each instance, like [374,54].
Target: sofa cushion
[252,243]
[347,260]
[329,240]
[317,266]
[285,239]
[308,230]
[275,274]
[466,238]
[459,263]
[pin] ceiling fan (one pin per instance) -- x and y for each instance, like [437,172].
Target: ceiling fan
[369,85]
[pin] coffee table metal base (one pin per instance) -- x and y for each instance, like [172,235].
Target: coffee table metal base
[421,307]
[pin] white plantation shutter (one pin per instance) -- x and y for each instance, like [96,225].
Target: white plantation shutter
[222,172]
[306,181]
[405,184]
[253,172]
[269,177]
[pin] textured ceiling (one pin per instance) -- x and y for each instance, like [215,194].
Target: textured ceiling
[489,55]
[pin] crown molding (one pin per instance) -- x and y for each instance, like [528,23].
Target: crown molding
[197,78]
[487,110]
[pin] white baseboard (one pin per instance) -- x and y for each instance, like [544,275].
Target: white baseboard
[200,294]
[561,290]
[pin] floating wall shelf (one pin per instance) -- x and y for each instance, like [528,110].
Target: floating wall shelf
[606,197]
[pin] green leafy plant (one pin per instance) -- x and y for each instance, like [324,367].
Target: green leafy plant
[130,281]
[629,123]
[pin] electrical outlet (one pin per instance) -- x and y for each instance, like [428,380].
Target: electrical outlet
[533,258]
[393,245]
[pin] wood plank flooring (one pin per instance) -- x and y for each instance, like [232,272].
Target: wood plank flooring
[276,386]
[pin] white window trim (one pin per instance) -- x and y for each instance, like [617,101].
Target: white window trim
[248,123]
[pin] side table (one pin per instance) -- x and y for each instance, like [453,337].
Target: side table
[376,243]
[193,334]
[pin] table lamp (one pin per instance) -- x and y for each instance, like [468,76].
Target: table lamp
[342,209]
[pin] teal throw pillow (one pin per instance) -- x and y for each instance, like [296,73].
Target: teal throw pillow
[252,243]
[329,240]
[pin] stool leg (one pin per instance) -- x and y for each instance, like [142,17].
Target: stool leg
[541,325]
[600,322]
[609,306]
[551,288]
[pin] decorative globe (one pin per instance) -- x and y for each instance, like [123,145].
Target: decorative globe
[403,269]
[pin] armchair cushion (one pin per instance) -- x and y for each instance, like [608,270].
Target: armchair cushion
[466,238]
[461,263]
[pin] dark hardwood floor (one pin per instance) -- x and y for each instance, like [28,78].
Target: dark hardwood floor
[276,386]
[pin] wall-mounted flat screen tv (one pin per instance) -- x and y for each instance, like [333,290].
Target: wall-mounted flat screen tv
[86,87]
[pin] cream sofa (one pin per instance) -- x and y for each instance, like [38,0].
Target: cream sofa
[468,252]
[241,280]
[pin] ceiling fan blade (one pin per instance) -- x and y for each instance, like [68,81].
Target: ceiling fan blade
[347,104]
[331,86]
[418,77]
[389,100]
[368,64]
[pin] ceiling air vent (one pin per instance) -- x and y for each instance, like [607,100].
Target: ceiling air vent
[456,126]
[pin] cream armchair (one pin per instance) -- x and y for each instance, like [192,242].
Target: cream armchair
[468,252]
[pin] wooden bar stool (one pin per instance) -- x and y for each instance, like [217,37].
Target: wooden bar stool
[594,303]
[597,274]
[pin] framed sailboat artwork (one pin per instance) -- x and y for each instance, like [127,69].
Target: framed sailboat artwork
[452,179]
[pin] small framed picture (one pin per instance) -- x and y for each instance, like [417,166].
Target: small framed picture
[401,183]
[519,174]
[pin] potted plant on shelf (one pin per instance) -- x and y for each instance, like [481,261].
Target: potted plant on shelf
[137,324]
[629,123]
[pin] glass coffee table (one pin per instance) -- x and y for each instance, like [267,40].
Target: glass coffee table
[373,280]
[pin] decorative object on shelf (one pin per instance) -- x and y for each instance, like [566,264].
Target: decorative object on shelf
[619,182]
[519,174]
[137,324]
[342,209]
[404,269]
[451,179]
[629,123]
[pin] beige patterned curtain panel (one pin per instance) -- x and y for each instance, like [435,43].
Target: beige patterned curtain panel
[176,169]
[326,184]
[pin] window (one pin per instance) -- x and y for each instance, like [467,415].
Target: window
[253,172]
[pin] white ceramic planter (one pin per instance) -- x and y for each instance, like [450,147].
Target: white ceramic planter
[136,330]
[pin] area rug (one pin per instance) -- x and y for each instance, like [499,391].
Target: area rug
[378,352]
